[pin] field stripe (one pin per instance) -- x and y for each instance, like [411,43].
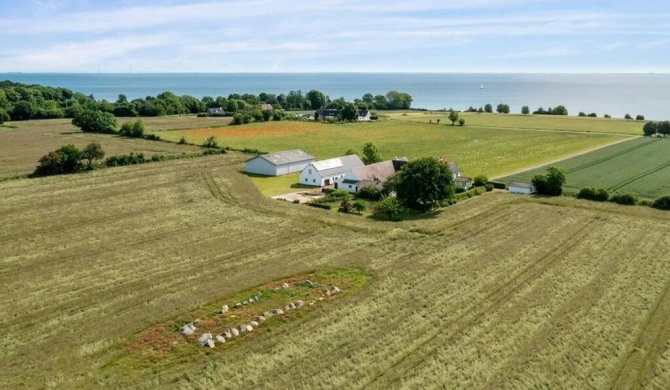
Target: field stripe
[612,156]
[639,176]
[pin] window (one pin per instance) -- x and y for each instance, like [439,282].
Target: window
[306,180]
[349,185]
[313,180]
[309,171]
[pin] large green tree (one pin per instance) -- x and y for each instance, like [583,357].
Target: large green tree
[551,183]
[453,117]
[349,112]
[423,183]
[92,152]
[64,160]
[316,99]
[91,121]
[371,153]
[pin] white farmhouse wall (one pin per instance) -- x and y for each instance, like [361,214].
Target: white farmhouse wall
[310,176]
[260,166]
[520,190]
[294,167]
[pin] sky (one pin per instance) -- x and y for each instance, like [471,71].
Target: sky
[497,36]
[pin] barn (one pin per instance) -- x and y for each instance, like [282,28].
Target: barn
[516,187]
[279,163]
[326,172]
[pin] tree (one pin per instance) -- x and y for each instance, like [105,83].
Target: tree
[90,121]
[480,181]
[423,183]
[559,110]
[349,113]
[525,110]
[662,203]
[627,116]
[488,108]
[389,207]
[92,152]
[650,128]
[639,117]
[359,205]
[134,129]
[453,117]
[371,154]
[64,160]
[461,121]
[211,142]
[4,116]
[663,128]
[316,99]
[502,109]
[551,183]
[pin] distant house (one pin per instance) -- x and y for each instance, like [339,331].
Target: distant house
[516,187]
[215,111]
[455,171]
[463,181]
[363,115]
[277,164]
[327,113]
[266,107]
[374,175]
[326,172]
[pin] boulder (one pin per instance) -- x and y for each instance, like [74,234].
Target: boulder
[228,334]
[266,314]
[336,290]
[298,303]
[285,285]
[328,293]
[279,311]
[245,302]
[291,306]
[287,308]
[203,340]
[224,309]
[220,339]
[235,332]
[260,318]
[188,330]
[243,328]
[249,328]
[238,305]
[254,324]
[210,343]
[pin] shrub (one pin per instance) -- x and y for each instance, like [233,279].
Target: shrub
[459,190]
[470,193]
[498,185]
[627,116]
[359,206]
[202,115]
[480,181]
[624,199]
[461,121]
[66,159]
[132,129]
[319,205]
[639,117]
[338,195]
[92,121]
[125,159]
[370,193]
[182,140]
[662,203]
[374,116]
[592,193]
[489,187]
[151,137]
[389,208]
[345,206]
[211,142]
[4,116]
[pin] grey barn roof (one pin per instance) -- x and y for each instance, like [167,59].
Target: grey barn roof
[286,157]
[336,166]
[453,167]
[463,179]
[520,184]
[379,171]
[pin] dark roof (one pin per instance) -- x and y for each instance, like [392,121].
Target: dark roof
[362,112]
[215,110]
[324,112]
[286,157]
[520,184]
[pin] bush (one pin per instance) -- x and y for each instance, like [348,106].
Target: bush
[345,206]
[182,140]
[389,208]
[592,193]
[4,116]
[461,121]
[370,193]
[639,117]
[470,193]
[202,115]
[338,195]
[133,130]
[125,159]
[498,185]
[66,159]
[211,142]
[459,190]
[319,205]
[480,181]
[359,206]
[624,199]
[151,137]
[488,187]
[91,121]
[662,203]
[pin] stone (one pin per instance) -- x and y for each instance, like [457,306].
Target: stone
[285,285]
[328,292]
[287,308]
[279,311]
[224,309]
[298,303]
[291,306]
[336,290]
[309,283]
[245,302]
[260,318]
[249,328]
[243,328]
[235,332]
[210,343]
[220,339]
[254,324]
[238,305]
[311,303]
[204,338]
[266,314]
[188,330]
[321,299]
[228,334]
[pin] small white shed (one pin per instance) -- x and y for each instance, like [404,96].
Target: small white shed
[277,164]
[516,187]
[327,172]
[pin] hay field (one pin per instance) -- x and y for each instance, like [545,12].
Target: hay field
[477,150]
[23,143]
[496,292]
[641,166]
[570,123]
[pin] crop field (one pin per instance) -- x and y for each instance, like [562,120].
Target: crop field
[23,143]
[529,122]
[496,292]
[477,150]
[641,166]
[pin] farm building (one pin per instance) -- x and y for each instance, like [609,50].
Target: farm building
[369,175]
[277,164]
[363,115]
[516,187]
[331,113]
[266,107]
[463,181]
[215,111]
[326,172]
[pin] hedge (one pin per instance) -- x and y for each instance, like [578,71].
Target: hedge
[499,185]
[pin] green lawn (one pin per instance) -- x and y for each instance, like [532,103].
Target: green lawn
[530,122]
[477,150]
[278,185]
[641,165]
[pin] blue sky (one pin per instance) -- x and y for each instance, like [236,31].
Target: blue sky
[334,36]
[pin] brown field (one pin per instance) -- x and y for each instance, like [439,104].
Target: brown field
[23,143]
[496,292]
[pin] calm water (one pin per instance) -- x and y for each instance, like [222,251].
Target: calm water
[614,94]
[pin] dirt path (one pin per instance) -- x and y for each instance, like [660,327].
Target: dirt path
[563,158]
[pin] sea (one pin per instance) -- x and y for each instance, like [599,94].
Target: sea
[613,94]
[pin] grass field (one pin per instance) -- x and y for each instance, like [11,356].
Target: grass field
[492,151]
[641,165]
[23,143]
[496,292]
[529,122]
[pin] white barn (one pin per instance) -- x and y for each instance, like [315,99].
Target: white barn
[516,187]
[369,175]
[326,172]
[277,164]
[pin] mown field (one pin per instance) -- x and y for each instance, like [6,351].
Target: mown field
[477,150]
[641,166]
[528,122]
[23,143]
[496,292]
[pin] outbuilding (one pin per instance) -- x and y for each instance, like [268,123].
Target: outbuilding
[326,172]
[279,163]
[373,175]
[517,187]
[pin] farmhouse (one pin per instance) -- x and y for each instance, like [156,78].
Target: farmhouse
[215,111]
[277,164]
[369,175]
[363,115]
[266,107]
[516,187]
[463,181]
[326,172]
[325,114]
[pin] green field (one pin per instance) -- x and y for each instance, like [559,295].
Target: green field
[641,166]
[496,292]
[477,150]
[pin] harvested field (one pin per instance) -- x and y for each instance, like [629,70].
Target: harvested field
[25,142]
[499,291]
[641,166]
